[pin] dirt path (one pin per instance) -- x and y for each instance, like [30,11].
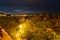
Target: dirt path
[5,35]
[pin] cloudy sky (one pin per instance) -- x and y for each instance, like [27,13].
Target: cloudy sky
[29,6]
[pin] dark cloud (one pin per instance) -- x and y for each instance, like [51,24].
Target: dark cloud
[37,5]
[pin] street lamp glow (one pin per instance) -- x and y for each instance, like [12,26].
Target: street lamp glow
[20,26]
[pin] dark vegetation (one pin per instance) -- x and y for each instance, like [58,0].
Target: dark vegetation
[38,26]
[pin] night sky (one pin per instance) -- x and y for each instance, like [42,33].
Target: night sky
[29,6]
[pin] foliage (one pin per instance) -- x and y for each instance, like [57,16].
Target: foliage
[38,31]
[33,27]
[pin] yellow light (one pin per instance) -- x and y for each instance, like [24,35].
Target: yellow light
[20,26]
[21,31]
[18,38]
[17,35]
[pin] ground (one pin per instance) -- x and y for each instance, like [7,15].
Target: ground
[5,35]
